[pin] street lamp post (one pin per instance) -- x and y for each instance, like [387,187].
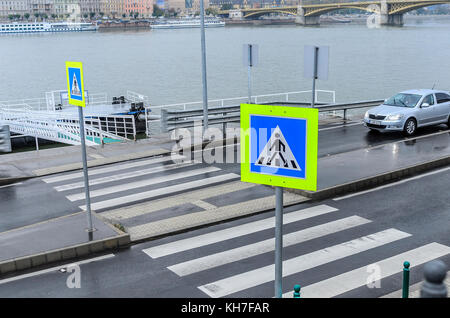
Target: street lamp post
[204,82]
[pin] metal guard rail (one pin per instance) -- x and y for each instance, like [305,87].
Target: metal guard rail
[171,120]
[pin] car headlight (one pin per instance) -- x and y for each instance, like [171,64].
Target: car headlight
[394,117]
[366,115]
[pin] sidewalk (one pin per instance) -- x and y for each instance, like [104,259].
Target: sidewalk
[44,162]
[55,240]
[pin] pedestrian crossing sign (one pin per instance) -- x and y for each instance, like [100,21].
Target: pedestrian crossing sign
[279,146]
[75,84]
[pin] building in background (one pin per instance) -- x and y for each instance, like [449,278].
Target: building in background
[112,8]
[88,6]
[143,7]
[185,6]
[13,7]
[67,9]
[41,6]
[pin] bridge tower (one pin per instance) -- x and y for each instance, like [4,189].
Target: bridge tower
[389,19]
[305,20]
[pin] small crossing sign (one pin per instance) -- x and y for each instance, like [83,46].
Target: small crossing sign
[75,86]
[279,146]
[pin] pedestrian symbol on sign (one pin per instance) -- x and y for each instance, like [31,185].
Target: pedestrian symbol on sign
[277,153]
[75,89]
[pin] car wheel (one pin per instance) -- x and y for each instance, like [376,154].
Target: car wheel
[410,127]
[448,122]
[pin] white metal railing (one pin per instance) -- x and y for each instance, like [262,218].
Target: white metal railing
[65,128]
[153,113]
[134,97]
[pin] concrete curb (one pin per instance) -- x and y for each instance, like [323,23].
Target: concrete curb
[7,181]
[373,181]
[66,253]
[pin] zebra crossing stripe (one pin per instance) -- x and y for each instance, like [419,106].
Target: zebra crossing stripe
[122,176]
[247,251]
[356,278]
[301,263]
[161,191]
[236,231]
[111,168]
[142,183]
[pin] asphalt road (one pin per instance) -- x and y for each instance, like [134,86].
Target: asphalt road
[38,200]
[331,243]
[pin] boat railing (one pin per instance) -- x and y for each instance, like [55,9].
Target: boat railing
[134,97]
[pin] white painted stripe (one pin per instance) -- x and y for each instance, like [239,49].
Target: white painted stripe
[357,278]
[111,168]
[240,253]
[54,269]
[162,191]
[122,176]
[391,184]
[10,185]
[340,126]
[236,231]
[96,156]
[301,263]
[142,183]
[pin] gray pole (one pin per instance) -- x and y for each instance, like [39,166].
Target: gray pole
[316,51]
[85,169]
[434,287]
[250,60]
[205,86]
[278,242]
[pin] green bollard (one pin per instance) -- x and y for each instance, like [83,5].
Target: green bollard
[405,280]
[297,291]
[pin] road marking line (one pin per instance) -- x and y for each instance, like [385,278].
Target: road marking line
[340,126]
[301,263]
[357,278]
[391,184]
[54,269]
[111,168]
[233,232]
[175,200]
[142,183]
[11,185]
[247,251]
[162,191]
[96,156]
[117,177]
[204,205]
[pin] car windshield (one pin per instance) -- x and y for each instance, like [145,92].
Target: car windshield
[403,100]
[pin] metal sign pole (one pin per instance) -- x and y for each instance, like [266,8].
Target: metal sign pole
[278,242]
[250,64]
[316,53]
[85,169]
[205,87]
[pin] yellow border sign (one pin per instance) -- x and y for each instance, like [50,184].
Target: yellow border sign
[75,84]
[279,146]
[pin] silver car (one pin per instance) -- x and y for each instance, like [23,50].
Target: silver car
[409,110]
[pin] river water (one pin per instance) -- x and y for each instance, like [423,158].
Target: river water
[365,63]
